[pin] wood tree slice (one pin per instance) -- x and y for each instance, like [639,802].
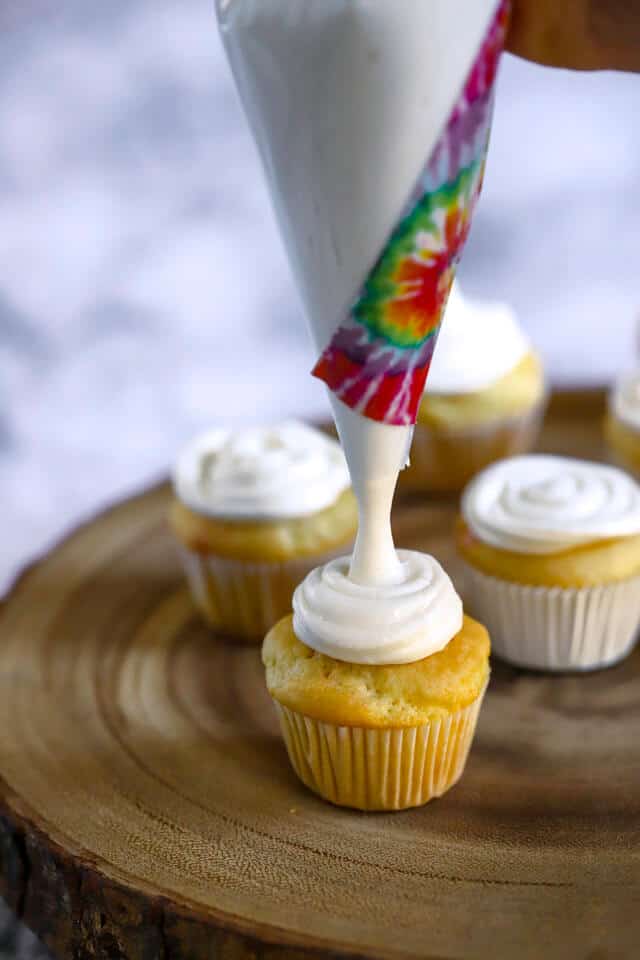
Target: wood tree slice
[149,810]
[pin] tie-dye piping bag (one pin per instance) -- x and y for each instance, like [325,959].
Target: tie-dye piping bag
[378,359]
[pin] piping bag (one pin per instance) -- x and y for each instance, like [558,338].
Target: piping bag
[372,121]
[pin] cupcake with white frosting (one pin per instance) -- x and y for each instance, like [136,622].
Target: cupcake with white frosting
[622,424]
[378,688]
[254,511]
[552,548]
[484,399]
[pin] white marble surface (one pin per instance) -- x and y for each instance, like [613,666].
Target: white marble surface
[143,289]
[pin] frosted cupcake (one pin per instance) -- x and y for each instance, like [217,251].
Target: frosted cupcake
[552,547]
[254,511]
[622,424]
[378,689]
[484,399]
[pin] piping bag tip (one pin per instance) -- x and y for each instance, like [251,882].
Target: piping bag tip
[378,359]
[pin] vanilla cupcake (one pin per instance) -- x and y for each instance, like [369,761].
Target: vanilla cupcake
[484,399]
[552,548]
[622,423]
[254,511]
[378,689]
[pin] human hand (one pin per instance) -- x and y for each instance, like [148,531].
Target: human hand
[577,34]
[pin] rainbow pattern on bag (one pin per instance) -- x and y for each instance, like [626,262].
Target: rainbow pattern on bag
[378,359]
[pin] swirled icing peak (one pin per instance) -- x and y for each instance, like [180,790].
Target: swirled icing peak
[285,470]
[479,343]
[624,399]
[544,504]
[394,623]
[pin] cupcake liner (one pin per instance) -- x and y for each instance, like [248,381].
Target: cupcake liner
[444,460]
[379,768]
[553,628]
[244,599]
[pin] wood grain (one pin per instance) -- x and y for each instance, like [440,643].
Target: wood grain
[147,808]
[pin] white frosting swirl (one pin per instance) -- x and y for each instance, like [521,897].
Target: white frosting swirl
[624,400]
[397,623]
[479,343]
[543,504]
[270,472]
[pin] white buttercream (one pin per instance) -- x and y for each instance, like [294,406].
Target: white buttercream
[376,452]
[544,504]
[361,623]
[284,470]
[624,400]
[479,343]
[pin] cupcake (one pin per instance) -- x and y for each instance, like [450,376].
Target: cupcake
[552,549]
[622,423]
[378,689]
[484,399]
[254,511]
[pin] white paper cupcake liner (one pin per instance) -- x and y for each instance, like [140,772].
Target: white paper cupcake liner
[379,769]
[444,460]
[243,599]
[551,628]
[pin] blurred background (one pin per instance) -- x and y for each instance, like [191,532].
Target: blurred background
[143,289]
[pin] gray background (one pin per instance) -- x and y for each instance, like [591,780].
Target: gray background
[143,289]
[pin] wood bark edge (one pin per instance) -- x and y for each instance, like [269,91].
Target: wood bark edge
[80,913]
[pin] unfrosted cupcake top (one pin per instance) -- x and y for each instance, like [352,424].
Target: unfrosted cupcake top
[284,470]
[394,623]
[398,695]
[624,400]
[479,343]
[544,504]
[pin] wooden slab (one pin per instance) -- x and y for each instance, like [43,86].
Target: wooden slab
[148,809]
